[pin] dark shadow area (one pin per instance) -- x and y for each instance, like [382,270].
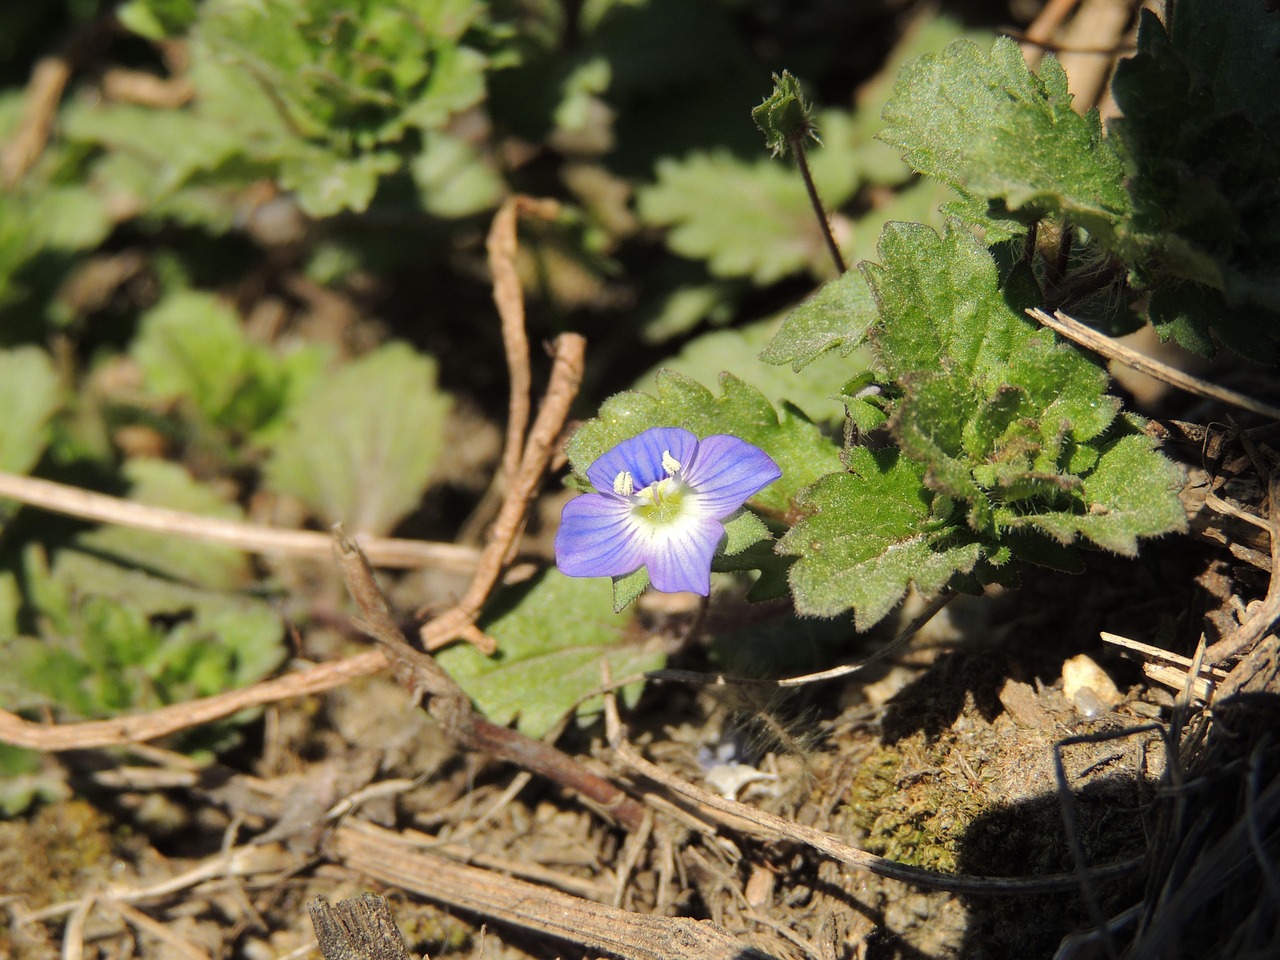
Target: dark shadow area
[1027,839]
[1027,633]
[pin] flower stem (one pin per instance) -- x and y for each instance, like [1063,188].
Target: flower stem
[797,148]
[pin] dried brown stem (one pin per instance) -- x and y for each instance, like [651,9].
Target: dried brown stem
[749,820]
[509,298]
[1265,616]
[1050,18]
[255,538]
[524,459]
[460,620]
[48,81]
[444,700]
[118,731]
[592,926]
[1087,337]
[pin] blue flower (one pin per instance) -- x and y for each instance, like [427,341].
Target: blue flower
[662,500]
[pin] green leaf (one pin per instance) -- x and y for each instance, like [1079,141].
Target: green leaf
[941,309]
[327,184]
[351,71]
[1131,493]
[46,219]
[361,449]
[868,535]
[627,589]
[157,19]
[29,396]
[837,317]
[879,163]
[114,639]
[553,635]
[988,126]
[818,393]
[1200,136]
[191,346]
[742,529]
[163,484]
[750,218]
[453,179]
[799,448]
[1006,420]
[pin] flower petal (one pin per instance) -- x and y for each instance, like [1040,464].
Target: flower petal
[641,456]
[598,538]
[679,555]
[727,472]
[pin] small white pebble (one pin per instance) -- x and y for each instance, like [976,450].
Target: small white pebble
[1088,686]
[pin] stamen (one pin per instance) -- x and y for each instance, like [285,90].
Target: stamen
[670,463]
[623,484]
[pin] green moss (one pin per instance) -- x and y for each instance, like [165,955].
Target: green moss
[909,807]
[52,856]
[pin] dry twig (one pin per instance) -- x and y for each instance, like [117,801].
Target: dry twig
[1264,617]
[524,459]
[444,700]
[138,728]
[252,537]
[49,80]
[1112,349]
[460,620]
[592,926]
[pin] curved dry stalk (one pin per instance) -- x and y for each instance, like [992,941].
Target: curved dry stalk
[1112,349]
[760,823]
[507,295]
[460,620]
[524,459]
[44,92]
[442,698]
[252,537]
[1256,626]
[52,738]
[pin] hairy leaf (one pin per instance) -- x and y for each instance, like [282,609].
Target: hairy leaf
[995,131]
[866,536]
[817,392]
[1201,140]
[1005,419]
[553,635]
[837,317]
[1132,492]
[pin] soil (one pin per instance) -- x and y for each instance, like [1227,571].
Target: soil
[942,756]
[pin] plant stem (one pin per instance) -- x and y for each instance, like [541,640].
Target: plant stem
[797,148]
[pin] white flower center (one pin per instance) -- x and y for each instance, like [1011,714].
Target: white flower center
[661,502]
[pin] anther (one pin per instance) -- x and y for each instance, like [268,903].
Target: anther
[670,463]
[623,484]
